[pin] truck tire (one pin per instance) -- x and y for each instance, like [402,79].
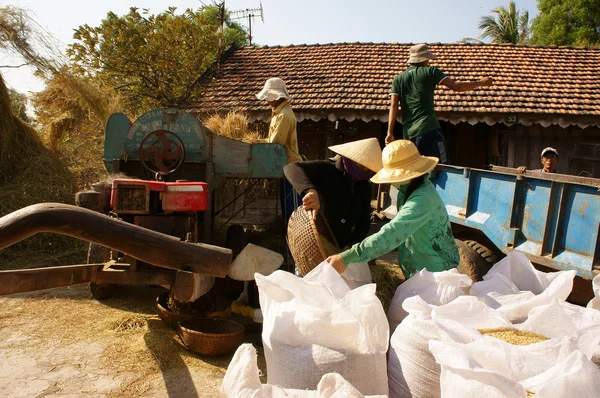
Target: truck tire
[99,254]
[485,253]
[471,263]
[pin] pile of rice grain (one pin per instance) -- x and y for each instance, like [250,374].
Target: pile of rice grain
[514,336]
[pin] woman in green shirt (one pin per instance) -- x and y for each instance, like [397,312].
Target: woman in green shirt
[421,230]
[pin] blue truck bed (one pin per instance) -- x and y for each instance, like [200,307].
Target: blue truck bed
[554,219]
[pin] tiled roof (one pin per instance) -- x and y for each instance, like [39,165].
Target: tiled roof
[353,80]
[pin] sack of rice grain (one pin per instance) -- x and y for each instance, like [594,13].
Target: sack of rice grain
[492,368]
[412,370]
[243,380]
[434,288]
[355,275]
[513,287]
[314,328]
[559,319]
[595,302]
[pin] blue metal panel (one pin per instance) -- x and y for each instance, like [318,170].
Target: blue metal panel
[555,221]
[184,125]
[116,131]
[268,160]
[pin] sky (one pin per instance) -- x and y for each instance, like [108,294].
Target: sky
[285,22]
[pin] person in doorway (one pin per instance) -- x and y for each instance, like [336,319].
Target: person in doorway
[282,130]
[413,91]
[421,230]
[339,188]
[549,160]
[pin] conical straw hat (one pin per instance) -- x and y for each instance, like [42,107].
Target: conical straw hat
[365,152]
[253,259]
[402,162]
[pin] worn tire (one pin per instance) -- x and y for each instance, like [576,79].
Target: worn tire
[471,263]
[99,254]
[485,253]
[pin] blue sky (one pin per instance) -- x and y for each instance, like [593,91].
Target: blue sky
[286,21]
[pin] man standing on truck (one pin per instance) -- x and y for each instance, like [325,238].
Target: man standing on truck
[549,159]
[413,90]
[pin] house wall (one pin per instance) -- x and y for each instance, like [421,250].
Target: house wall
[474,145]
[579,149]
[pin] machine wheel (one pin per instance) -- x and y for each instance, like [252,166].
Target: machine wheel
[485,253]
[471,263]
[99,254]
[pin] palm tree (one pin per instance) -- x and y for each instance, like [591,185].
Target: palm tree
[508,25]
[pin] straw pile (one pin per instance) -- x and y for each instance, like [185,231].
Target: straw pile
[29,174]
[514,336]
[234,125]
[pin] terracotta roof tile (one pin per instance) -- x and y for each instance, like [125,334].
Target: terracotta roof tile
[357,76]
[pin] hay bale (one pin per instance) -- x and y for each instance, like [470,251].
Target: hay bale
[234,125]
[30,174]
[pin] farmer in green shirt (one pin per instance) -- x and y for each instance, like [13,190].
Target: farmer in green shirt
[413,90]
[421,229]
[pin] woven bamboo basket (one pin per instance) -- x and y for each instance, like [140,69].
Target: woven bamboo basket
[211,336]
[310,241]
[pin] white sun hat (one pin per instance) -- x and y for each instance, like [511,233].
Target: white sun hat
[402,162]
[549,149]
[273,90]
[419,53]
[253,259]
[365,152]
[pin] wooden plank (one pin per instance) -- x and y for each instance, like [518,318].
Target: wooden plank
[143,244]
[32,280]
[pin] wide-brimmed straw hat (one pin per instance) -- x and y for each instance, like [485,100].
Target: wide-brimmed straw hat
[273,90]
[419,53]
[402,162]
[365,152]
[253,259]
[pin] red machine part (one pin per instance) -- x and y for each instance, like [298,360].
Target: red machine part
[175,196]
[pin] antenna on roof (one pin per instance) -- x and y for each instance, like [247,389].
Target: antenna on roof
[249,13]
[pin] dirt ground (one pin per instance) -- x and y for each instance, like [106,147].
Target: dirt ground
[64,343]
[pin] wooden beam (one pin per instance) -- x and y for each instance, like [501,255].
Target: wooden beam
[143,244]
[32,280]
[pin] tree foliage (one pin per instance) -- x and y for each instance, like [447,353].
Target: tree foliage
[153,60]
[18,103]
[567,22]
[506,25]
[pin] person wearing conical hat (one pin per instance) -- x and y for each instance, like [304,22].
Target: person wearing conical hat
[421,230]
[339,188]
[413,90]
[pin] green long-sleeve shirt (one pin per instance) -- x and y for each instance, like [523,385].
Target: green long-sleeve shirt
[421,231]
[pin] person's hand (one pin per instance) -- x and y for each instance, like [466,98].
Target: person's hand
[521,169]
[337,263]
[389,139]
[310,201]
[488,81]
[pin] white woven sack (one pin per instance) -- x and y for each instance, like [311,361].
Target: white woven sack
[243,380]
[492,368]
[355,275]
[412,370]
[514,287]
[595,302]
[313,327]
[434,288]
[560,318]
